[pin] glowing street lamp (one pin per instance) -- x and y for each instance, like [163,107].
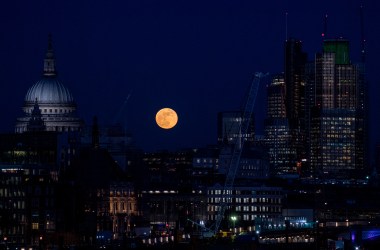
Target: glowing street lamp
[5,242]
[233,218]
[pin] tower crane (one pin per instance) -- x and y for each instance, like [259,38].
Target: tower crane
[226,194]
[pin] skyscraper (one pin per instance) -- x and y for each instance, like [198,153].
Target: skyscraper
[336,128]
[295,61]
[277,131]
[285,124]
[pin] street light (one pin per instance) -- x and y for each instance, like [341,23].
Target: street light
[233,218]
[5,242]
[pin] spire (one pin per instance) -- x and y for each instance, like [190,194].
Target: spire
[49,61]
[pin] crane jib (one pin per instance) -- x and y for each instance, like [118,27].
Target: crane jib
[226,194]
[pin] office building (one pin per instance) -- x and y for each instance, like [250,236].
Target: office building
[295,61]
[229,124]
[277,131]
[337,117]
[259,206]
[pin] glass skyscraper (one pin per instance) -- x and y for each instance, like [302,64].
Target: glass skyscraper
[285,123]
[277,131]
[336,125]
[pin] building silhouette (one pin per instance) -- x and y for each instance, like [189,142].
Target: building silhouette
[295,61]
[229,123]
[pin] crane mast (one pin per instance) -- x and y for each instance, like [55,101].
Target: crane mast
[238,147]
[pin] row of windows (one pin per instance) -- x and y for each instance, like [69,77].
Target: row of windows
[14,230]
[5,192]
[345,118]
[206,160]
[121,207]
[352,135]
[248,217]
[45,111]
[339,125]
[13,205]
[50,225]
[12,180]
[125,193]
[271,209]
[252,167]
[245,192]
[247,200]
[336,147]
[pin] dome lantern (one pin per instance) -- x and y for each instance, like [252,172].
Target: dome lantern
[49,62]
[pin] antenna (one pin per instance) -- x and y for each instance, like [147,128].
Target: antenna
[362,34]
[286,26]
[324,33]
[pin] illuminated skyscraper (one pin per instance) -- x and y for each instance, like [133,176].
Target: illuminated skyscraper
[337,120]
[277,131]
[285,123]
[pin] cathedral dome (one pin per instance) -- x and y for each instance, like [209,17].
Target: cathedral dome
[48,104]
[49,90]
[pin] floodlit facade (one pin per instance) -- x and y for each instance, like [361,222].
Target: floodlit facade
[122,208]
[53,99]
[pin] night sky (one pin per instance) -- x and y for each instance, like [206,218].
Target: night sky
[197,57]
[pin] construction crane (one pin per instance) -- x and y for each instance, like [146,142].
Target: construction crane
[121,110]
[226,194]
[206,232]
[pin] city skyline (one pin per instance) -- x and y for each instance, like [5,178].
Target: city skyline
[198,59]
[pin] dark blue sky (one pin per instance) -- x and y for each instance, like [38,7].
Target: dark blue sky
[197,57]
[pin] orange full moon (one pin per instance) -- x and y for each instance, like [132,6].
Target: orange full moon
[166,118]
